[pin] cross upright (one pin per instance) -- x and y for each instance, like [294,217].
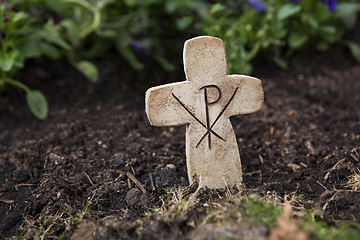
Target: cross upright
[204,102]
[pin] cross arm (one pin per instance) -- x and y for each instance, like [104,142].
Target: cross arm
[162,104]
[249,96]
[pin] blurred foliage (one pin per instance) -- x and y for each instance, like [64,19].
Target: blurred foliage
[82,30]
[20,38]
[279,31]
[320,230]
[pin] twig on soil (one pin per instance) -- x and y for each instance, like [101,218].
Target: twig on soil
[152,184]
[46,160]
[310,147]
[228,192]
[23,185]
[193,196]
[354,157]
[7,201]
[261,159]
[255,172]
[92,183]
[137,182]
[327,203]
[322,185]
[333,197]
[333,168]
[129,183]
[303,164]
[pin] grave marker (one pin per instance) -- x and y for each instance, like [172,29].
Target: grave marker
[204,102]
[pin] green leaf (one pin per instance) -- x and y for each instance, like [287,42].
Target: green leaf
[170,6]
[19,16]
[165,64]
[288,10]
[218,7]
[184,22]
[55,6]
[297,40]
[347,13]
[131,58]
[88,69]
[322,46]
[37,104]
[123,39]
[72,30]
[130,2]
[49,50]
[280,62]
[354,49]
[52,34]
[107,33]
[103,3]
[30,49]
[311,21]
[328,33]
[7,62]
[345,9]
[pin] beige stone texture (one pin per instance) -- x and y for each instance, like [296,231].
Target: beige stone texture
[204,102]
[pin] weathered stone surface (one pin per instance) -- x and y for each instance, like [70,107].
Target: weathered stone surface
[204,102]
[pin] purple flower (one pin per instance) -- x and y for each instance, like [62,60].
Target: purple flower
[138,47]
[256,4]
[331,4]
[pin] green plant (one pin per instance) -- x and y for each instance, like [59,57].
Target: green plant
[79,30]
[167,195]
[17,44]
[58,225]
[320,230]
[21,231]
[24,34]
[82,30]
[278,28]
[90,29]
[260,210]
[149,212]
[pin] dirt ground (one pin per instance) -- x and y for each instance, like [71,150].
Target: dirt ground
[83,159]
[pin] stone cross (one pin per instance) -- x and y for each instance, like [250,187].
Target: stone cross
[204,102]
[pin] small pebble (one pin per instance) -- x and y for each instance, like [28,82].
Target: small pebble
[171,166]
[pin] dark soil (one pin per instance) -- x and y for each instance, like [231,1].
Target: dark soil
[305,141]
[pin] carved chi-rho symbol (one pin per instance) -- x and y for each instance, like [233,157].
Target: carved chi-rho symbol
[204,102]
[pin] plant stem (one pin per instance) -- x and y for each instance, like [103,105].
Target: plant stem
[253,51]
[83,3]
[95,24]
[96,20]
[17,84]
